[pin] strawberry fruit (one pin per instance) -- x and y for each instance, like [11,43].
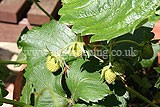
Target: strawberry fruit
[76,49]
[110,76]
[147,51]
[52,64]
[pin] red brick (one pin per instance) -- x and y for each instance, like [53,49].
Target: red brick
[159,58]
[12,10]
[10,32]
[156,31]
[38,17]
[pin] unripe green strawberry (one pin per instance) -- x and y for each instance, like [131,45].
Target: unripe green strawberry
[76,49]
[147,51]
[51,64]
[110,76]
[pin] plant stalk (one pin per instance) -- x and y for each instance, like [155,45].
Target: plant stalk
[79,38]
[43,10]
[110,52]
[13,62]
[16,103]
[110,55]
[129,41]
[141,97]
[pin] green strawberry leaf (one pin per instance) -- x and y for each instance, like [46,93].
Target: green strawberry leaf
[122,100]
[83,105]
[53,99]
[3,91]
[128,50]
[153,18]
[96,105]
[114,101]
[5,73]
[24,31]
[158,12]
[79,105]
[145,83]
[54,37]
[106,19]
[110,101]
[120,93]
[149,24]
[21,57]
[157,85]
[41,78]
[85,85]
[142,82]
[157,69]
[26,93]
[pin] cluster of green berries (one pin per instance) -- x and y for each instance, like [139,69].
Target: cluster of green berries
[54,62]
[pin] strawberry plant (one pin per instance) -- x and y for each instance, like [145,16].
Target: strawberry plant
[116,65]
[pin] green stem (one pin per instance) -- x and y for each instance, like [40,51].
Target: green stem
[43,10]
[66,47]
[141,97]
[129,41]
[110,55]
[79,38]
[13,62]
[16,103]
[110,52]
[102,46]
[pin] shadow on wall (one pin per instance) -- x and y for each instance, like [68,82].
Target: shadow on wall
[5,55]
[6,75]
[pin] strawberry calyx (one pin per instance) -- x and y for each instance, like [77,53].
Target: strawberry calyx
[76,49]
[104,70]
